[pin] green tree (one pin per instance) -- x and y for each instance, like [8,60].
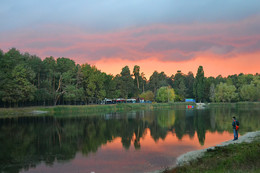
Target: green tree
[16,78]
[21,89]
[2,74]
[256,82]
[248,92]
[182,90]
[179,85]
[143,81]
[219,79]
[244,79]
[35,63]
[165,94]
[148,95]
[51,76]
[136,73]
[189,84]
[251,92]
[199,85]
[225,93]
[157,80]
[73,91]
[110,84]
[154,81]
[208,86]
[234,79]
[126,83]
[212,92]
[93,83]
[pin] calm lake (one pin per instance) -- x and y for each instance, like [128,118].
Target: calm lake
[135,141]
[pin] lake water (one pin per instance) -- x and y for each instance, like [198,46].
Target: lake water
[135,141]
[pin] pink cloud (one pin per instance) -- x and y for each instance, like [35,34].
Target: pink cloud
[166,43]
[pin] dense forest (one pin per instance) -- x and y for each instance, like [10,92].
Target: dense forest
[27,80]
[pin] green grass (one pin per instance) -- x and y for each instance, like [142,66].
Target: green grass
[87,109]
[90,109]
[113,107]
[13,112]
[238,105]
[235,158]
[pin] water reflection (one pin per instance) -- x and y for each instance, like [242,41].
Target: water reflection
[30,141]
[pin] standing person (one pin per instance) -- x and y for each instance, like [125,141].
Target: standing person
[235,125]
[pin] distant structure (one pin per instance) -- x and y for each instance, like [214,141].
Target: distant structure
[190,100]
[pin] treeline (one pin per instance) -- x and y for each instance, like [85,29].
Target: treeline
[26,80]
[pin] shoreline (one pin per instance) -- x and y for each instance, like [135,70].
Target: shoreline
[186,158]
[87,109]
[90,109]
[193,155]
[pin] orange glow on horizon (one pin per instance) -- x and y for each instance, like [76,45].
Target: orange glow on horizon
[212,66]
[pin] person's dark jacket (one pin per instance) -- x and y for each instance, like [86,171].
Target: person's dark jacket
[234,123]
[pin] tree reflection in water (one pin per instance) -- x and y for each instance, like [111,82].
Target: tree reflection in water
[27,141]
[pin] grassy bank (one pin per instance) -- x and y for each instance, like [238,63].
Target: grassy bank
[89,109]
[234,158]
[238,105]
[13,112]
[113,107]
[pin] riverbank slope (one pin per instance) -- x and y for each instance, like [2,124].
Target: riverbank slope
[242,155]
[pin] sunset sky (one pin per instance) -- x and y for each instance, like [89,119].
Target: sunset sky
[164,35]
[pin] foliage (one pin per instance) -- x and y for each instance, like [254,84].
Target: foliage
[251,92]
[157,80]
[199,85]
[212,92]
[137,78]
[226,93]
[148,95]
[165,94]
[126,83]
[248,92]
[93,83]
[27,80]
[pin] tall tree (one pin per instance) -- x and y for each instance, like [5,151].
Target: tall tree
[110,84]
[199,85]
[136,73]
[157,80]
[212,92]
[126,83]
[21,89]
[2,76]
[36,65]
[182,90]
[93,83]
[208,84]
[143,81]
[189,84]
[66,86]
[154,82]
[50,65]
